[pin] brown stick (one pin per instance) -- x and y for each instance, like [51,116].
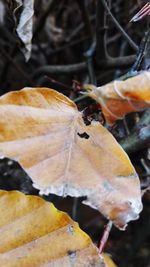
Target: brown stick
[121,62]
[105,236]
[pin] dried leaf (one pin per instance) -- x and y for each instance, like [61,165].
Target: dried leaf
[34,233]
[121,97]
[24,27]
[108,261]
[43,130]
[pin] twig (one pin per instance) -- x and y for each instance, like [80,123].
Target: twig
[137,141]
[119,27]
[121,62]
[85,17]
[105,236]
[78,29]
[17,67]
[60,69]
[89,59]
[139,137]
[100,35]
[146,64]
[80,98]
[74,208]
[90,52]
[141,52]
[41,21]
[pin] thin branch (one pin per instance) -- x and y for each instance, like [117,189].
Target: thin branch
[121,62]
[119,27]
[105,236]
[85,17]
[139,137]
[137,141]
[146,64]
[41,21]
[142,51]
[89,59]
[92,43]
[100,34]
[77,30]
[60,69]
[16,66]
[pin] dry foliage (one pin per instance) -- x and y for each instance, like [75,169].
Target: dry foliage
[34,233]
[43,130]
[108,261]
[121,97]
[25,23]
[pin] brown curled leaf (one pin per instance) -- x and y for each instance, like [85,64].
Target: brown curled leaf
[43,130]
[122,97]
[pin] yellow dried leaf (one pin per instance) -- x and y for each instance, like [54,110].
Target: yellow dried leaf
[33,233]
[121,97]
[108,261]
[43,130]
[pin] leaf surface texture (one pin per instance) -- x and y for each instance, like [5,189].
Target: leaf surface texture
[33,233]
[43,130]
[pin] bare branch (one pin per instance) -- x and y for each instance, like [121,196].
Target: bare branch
[121,62]
[119,27]
[140,137]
